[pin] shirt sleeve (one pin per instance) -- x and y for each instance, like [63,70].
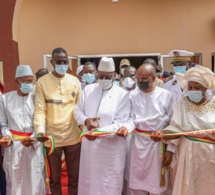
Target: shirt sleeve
[40,110]
[79,109]
[3,118]
[130,125]
[171,148]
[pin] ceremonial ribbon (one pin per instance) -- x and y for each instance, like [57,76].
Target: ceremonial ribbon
[191,135]
[19,136]
[96,133]
[163,168]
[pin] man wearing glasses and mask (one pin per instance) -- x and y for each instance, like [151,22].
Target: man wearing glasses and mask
[56,96]
[129,82]
[102,106]
[23,160]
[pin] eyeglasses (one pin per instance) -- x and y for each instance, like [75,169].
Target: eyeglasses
[107,77]
[27,81]
[63,62]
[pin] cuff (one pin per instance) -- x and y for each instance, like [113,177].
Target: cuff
[171,148]
[82,121]
[109,128]
[6,132]
[40,130]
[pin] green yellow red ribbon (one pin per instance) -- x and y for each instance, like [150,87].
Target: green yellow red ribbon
[191,135]
[96,133]
[19,136]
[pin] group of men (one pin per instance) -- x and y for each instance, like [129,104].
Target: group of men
[122,161]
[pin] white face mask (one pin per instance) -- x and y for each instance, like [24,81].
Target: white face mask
[105,84]
[122,71]
[128,82]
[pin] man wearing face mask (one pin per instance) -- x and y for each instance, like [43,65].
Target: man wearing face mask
[129,82]
[123,64]
[181,59]
[150,112]
[117,80]
[56,96]
[23,160]
[103,106]
[158,82]
[89,73]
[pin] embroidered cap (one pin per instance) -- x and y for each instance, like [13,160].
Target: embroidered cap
[79,69]
[23,70]
[106,65]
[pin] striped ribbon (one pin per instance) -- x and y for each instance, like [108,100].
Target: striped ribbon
[96,133]
[191,135]
[19,136]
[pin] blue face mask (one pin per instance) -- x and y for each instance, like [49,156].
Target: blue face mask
[89,78]
[26,88]
[117,83]
[180,69]
[195,96]
[61,69]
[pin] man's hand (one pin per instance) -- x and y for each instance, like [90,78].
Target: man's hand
[92,123]
[27,142]
[7,141]
[90,137]
[122,131]
[42,137]
[157,136]
[167,158]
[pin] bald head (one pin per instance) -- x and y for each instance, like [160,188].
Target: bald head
[150,61]
[41,72]
[146,69]
[145,76]
[130,70]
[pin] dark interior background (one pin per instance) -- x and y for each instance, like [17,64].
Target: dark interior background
[135,61]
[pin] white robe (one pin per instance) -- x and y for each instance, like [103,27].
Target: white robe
[175,89]
[23,165]
[194,162]
[150,111]
[103,160]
